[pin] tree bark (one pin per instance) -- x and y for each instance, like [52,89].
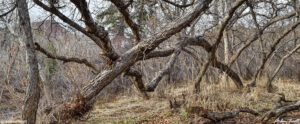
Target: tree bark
[270,53]
[67,111]
[211,54]
[193,41]
[150,87]
[218,117]
[226,47]
[234,76]
[256,36]
[227,4]
[269,83]
[33,89]
[278,111]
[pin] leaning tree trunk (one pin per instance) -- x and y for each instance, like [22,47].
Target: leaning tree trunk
[212,52]
[84,101]
[33,89]
[226,5]
[271,52]
[226,52]
[269,82]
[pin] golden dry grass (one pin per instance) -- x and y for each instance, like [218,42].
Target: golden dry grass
[215,97]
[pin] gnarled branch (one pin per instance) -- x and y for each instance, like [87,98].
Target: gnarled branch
[103,79]
[144,47]
[154,83]
[136,77]
[269,82]
[217,117]
[211,54]
[273,48]
[278,111]
[132,25]
[256,36]
[99,37]
[63,58]
[88,19]
[195,41]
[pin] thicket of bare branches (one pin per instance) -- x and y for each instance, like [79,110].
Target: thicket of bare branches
[88,49]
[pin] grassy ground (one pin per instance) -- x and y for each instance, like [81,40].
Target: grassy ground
[221,97]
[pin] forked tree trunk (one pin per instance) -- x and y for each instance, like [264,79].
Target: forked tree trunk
[211,54]
[33,89]
[69,110]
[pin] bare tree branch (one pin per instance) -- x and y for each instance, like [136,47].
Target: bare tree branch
[131,56]
[99,36]
[157,54]
[178,5]
[92,27]
[137,78]
[258,30]
[132,25]
[215,46]
[273,48]
[103,79]
[194,41]
[193,55]
[256,36]
[127,5]
[233,75]
[217,117]
[9,11]
[278,111]
[88,19]
[63,58]
[153,84]
[269,82]
[66,19]
[150,87]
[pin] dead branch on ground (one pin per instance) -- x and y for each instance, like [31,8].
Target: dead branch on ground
[217,117]
[278,111]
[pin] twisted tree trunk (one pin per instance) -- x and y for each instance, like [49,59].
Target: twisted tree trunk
[78,106]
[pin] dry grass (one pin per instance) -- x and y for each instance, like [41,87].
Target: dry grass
[218,98]
[228,97]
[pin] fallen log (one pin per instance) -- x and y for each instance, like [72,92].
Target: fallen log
[217,117]
[278,111]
